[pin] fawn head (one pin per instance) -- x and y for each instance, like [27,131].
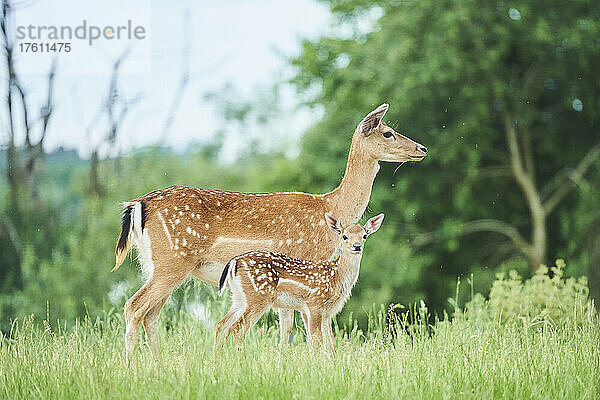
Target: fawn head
[354,235]
[383,143]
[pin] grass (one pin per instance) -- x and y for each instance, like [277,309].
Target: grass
[454,359]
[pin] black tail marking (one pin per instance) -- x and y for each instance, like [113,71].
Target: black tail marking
[143,203]
[223,277]
[125,226]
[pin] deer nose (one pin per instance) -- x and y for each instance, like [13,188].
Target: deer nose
[356,247]
[422,148]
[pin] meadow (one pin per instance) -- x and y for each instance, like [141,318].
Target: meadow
[484,351]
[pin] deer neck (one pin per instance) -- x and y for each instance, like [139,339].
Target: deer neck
[348,266]
[350,199]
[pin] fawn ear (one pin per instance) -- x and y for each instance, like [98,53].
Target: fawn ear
[333,223]
[374,223]
[372,120]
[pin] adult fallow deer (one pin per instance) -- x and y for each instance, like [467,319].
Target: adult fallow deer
[180,231]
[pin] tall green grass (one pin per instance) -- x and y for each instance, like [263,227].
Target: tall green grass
[478,354]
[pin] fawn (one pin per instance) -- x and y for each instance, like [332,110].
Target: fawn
[319,289]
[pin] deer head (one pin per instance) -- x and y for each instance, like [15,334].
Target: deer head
[383,143]
[354,235]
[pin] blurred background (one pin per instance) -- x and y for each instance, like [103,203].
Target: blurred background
[265,96]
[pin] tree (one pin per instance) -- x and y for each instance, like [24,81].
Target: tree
[505,98]
[23,160]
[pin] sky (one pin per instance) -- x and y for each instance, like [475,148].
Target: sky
[241,43]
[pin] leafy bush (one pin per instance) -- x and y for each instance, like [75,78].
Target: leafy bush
[545,300]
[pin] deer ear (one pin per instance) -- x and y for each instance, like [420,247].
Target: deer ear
[372,121]
[333,223]
[374,223]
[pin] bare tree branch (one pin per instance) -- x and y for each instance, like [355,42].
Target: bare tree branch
[572,179]
[48,108]
[480,225]
[496,171]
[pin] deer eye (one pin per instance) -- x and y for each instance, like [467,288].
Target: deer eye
[345,237]
[387,134]
[365,236]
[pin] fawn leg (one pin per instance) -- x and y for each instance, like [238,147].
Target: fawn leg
[238,306]
[314,327]
[286,321]
[328,339]
[250,317]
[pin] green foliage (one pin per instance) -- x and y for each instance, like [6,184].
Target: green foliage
[545,300]
[453,72]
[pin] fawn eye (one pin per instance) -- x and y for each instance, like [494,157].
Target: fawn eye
[387,134]
[345,237]
[365,236]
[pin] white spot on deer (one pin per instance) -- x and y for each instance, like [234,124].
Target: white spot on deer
[176,240]
[299,240]
[206,226]
[188,229]
[281,242]
[288,242]
[175,208]
[321,222]
[193,215]
[166,230]
[249,225]
[218,203]
[187,207]
[176,247]
[184,243]
[218,217]
[166,210]
[180,212]
[199,201]
[177,221]
[300,284]
[203,237]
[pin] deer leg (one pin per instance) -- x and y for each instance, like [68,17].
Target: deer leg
[327,332]
[305,321]
[238,307]
[248,319]
[156,290]
[314,326]
[151,325]
[286,321]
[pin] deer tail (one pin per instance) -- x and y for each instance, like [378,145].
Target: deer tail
[134,219]
[227,274]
